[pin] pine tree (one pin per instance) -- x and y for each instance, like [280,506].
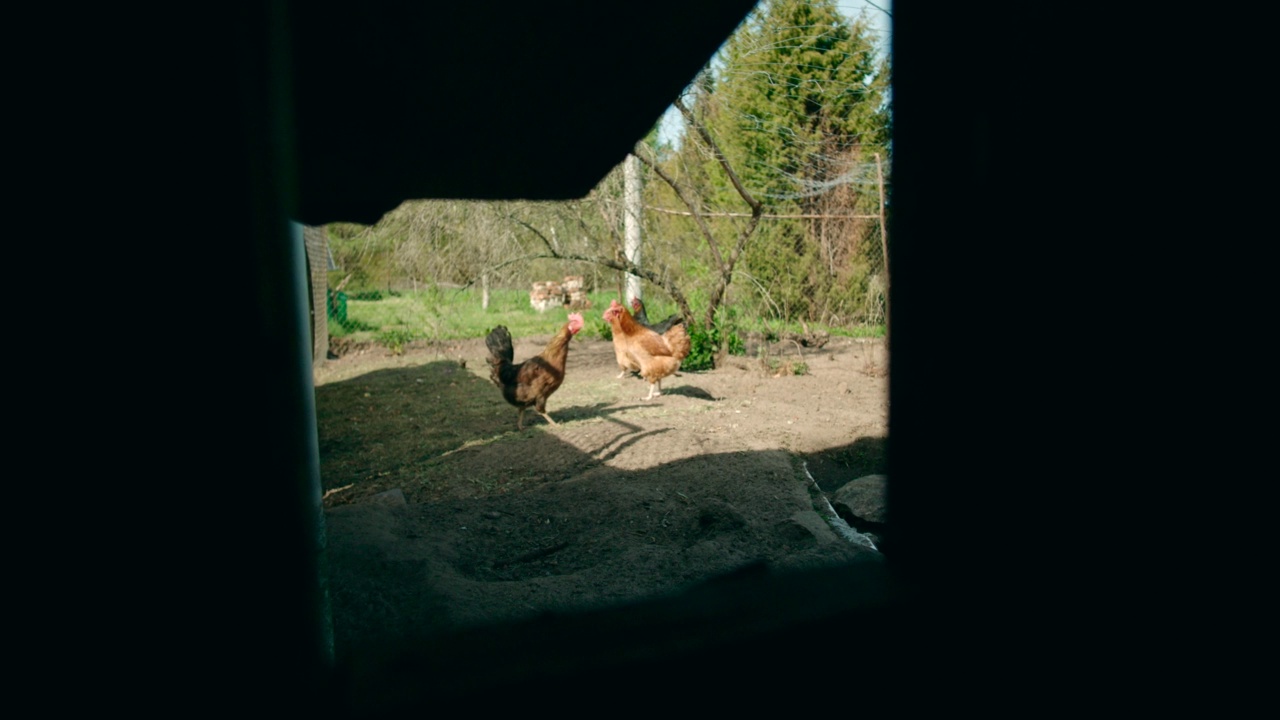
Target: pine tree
[798,104]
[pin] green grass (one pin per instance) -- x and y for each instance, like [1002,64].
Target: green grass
[773,329]
[455,314]
[442,314]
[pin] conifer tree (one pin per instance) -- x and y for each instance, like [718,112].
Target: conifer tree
[798,103]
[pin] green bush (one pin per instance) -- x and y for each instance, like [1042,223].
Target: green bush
[396,338]
[702,351]
[726,327]
[705,344]
[736,346]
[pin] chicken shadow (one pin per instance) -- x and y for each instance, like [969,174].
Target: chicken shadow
[391,425]
[607,453]
[573,413]
[570,414]
[692,392]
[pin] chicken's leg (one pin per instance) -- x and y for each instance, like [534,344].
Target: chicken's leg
[540,407]
[655,390]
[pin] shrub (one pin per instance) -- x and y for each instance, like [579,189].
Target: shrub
[705,344]
[396,338]
[736,346]
[702,351]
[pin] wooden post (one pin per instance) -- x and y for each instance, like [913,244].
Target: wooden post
[884,243]
[631,222]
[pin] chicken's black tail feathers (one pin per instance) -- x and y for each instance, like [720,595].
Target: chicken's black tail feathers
[501,353]
[662,327]
[499,343]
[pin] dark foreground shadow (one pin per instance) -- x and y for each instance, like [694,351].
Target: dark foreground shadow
[833,468]
[751,628]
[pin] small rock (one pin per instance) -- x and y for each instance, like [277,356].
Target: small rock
[394,497]
[862,502]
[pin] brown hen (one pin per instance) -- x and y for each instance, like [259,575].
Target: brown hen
[639,349]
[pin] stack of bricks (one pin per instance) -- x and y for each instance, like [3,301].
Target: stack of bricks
[551,294]
[546,295]
[576,297]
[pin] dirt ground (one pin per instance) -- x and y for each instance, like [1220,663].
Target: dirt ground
[623,499]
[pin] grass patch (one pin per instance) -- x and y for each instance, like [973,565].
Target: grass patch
[395,319]
[455,314]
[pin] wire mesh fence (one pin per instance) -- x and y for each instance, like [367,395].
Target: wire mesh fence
[392,289]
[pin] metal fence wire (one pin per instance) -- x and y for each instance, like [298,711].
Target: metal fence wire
[812,269]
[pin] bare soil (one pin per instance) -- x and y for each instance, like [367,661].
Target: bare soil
[621,500]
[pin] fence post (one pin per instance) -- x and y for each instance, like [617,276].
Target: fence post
[884,244]
[631,221]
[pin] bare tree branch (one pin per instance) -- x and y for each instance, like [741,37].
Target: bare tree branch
[886,12]
[533,230]
[609,223]
[621,264]
[499,266]
[720,158]
[757,209]
[689,203]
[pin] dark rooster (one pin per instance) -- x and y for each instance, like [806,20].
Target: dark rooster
[531,382]
[640,316]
